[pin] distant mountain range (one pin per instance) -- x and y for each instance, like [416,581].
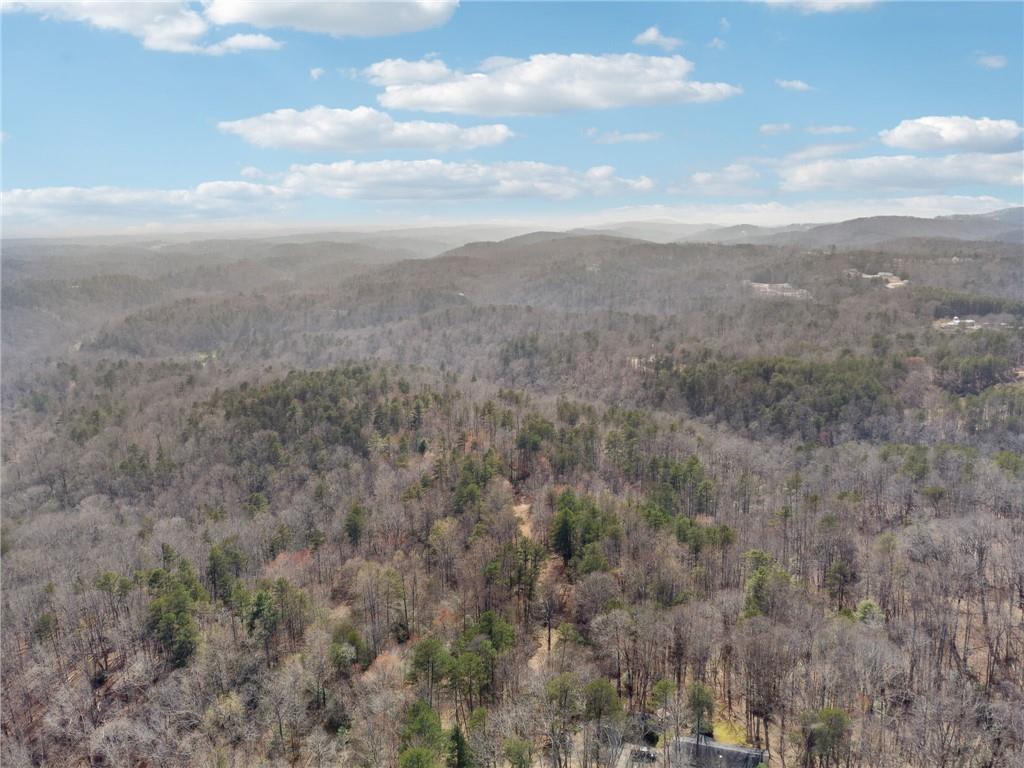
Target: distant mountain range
[655,230]
[743,233]
[1005,226]
[999,226]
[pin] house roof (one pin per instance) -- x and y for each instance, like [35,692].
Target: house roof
[707,753]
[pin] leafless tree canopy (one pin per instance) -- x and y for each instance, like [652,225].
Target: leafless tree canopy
[533,502]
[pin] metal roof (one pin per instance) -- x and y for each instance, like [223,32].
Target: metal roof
[707,753]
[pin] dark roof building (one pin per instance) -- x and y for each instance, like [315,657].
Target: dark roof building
[706,753]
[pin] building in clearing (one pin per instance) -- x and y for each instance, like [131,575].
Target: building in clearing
[705,753]
[891,280]
[965,323]
[777,290]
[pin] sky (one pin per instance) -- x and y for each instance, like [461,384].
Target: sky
[228,115]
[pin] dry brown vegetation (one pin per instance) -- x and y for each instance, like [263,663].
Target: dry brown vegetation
[318,504]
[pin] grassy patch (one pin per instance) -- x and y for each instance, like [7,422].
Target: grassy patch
[728,732]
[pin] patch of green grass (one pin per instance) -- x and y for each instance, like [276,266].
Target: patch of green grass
[728,732]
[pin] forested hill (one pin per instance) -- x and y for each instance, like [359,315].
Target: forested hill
[530,502]
[1006,225]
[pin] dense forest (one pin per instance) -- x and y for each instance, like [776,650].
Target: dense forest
[530,502]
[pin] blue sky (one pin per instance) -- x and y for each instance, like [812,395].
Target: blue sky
[169,115]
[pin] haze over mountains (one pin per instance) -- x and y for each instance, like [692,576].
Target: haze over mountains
[59,293]
[1005,225]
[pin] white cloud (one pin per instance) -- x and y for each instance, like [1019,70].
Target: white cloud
[238,43]
[316,73]
[162,25]
[717,43]
[744,168]
[816,152]
[359,129]
[729,180]
[905,172]
[991,60]
[435,179]
[400,71]
[618,137]
[544,83]
[723,24]
[179,26]
[924,134]
[771,129]
[829,130]
[339,19]
[822,6]
[653,36]
[793,85]
[43,209]
[167,25]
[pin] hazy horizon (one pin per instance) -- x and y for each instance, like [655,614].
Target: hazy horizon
[440,114]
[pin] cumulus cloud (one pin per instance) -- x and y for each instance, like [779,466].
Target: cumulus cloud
[359,129]
[926,134]
[771,129]
[717,43]
[822,6]
[653,36]
[238,43]
[161,25]
[618,137]
[43,207]
[339,19]
[829,130]
[816,152]
[793,85]
[179,26]
[544,83]
[905,172]
[316,73]
[435,179]
[400,71]
[991,60]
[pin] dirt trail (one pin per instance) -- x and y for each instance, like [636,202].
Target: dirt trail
[522,513]
[540,657]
